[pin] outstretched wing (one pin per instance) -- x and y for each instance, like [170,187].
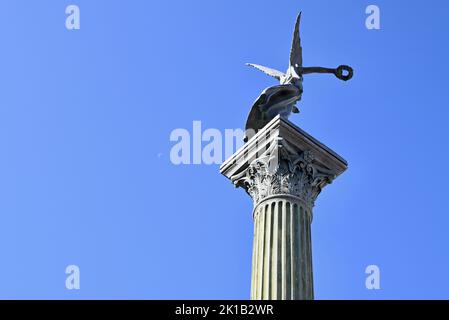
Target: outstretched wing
[296,51]
[271,72]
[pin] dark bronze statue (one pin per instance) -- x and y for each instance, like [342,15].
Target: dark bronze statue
[282,99]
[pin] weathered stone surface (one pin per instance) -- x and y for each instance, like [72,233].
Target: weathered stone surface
[284,170]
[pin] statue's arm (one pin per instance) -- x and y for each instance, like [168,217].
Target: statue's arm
[308,70]
[343,72]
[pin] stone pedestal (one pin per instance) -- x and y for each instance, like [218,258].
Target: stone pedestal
[283,169]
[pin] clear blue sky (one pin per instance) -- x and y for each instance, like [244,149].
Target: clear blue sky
[85,120]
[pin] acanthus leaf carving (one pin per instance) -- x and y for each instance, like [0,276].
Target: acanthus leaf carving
[282,170]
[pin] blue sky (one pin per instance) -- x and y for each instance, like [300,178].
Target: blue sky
[85,121]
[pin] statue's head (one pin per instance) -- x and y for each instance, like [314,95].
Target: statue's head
[294,77]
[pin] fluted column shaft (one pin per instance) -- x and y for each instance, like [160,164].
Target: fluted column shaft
[282,251]
[283,169]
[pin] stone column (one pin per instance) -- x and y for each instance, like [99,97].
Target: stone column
[283,169]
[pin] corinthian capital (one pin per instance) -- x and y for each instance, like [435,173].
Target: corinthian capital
[284,171]
[283,160]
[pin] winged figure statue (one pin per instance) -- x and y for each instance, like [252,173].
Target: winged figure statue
[282,99]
